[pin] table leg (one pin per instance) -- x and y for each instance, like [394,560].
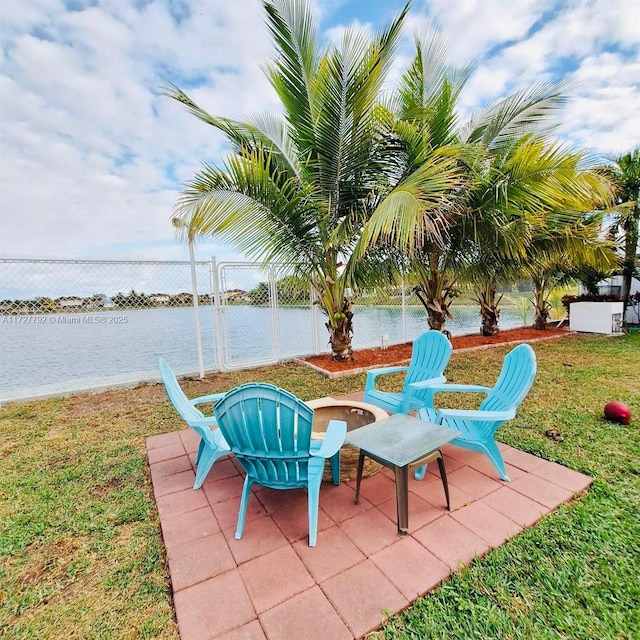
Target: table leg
[443,476]
[402,498]
[359,476]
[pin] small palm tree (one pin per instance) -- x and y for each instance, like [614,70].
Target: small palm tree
[498,187]
[537,222]
[302,187]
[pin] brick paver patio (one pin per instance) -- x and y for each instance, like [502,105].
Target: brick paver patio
[271,584]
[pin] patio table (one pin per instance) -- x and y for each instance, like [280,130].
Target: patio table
[401,442]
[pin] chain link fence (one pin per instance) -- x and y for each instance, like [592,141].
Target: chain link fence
[67,325]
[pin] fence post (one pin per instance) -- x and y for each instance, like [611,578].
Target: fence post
[315,337]
[196,309]
[215,280]
[404,313]
[275,321]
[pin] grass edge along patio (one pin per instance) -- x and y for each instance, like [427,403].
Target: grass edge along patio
[82,547]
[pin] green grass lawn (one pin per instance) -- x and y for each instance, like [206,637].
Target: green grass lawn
[82,554]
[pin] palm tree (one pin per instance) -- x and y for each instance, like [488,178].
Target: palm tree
[498,187]
[531,202]
[300,188]
[567,241]
[573,248]
[625,175]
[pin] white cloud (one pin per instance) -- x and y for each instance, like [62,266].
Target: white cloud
[93,157]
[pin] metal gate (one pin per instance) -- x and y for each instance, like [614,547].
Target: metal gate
[254,308]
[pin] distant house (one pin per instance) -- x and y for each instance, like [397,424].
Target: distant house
[100,302]
[236,294]
[69,302]
[159,298]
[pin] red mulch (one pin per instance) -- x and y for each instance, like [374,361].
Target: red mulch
[378,357]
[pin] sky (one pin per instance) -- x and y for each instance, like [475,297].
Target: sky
[93,157]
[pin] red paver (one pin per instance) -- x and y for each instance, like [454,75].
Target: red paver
[451,542]
[224,489]
[487,523]
[484,465]
[223,468]
[163,440]
[567,478]
[186,527]
[166,453]
[476,484]
[521,459]
[190,440]
[211,608]
[260,536]
[450,464]
[275,577]
[199,560]
[164,485]
[307,616]
[421,512]
[226,512]
[339,502]
[292,513]
[333,553]
[251,631]
[181,502]
[371,531]
[514,505]
[362,595]
[361,570]
[171,466]
[431,490]
[410,567]
[547,493]
[377,489]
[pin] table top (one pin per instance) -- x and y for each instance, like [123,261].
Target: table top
[400,439]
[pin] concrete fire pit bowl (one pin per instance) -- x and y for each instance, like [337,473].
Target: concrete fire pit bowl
[355,414]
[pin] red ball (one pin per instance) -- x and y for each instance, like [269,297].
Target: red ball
[617,412]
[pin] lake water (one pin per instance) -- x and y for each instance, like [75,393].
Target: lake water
[53,354]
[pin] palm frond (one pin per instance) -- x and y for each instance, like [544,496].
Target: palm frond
[527,111]
[297,58]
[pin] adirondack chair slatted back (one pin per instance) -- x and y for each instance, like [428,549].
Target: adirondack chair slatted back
[429,357]
[269,430]
[515,379]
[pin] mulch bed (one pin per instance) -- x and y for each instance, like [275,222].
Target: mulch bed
[377,357]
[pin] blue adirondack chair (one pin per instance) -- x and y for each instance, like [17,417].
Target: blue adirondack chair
[429,357]
[269,431]
[478,427]
[212,444]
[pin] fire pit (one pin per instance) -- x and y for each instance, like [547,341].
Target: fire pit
[355,414]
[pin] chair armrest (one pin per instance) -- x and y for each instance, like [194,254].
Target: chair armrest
[214,397]
[428,383]
[468,388]
[333,440]
[214,435]
[476,415]
[372,374]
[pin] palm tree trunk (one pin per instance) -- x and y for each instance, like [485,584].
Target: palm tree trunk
[341,333]
[489,311]
[436,295]
[541,305]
